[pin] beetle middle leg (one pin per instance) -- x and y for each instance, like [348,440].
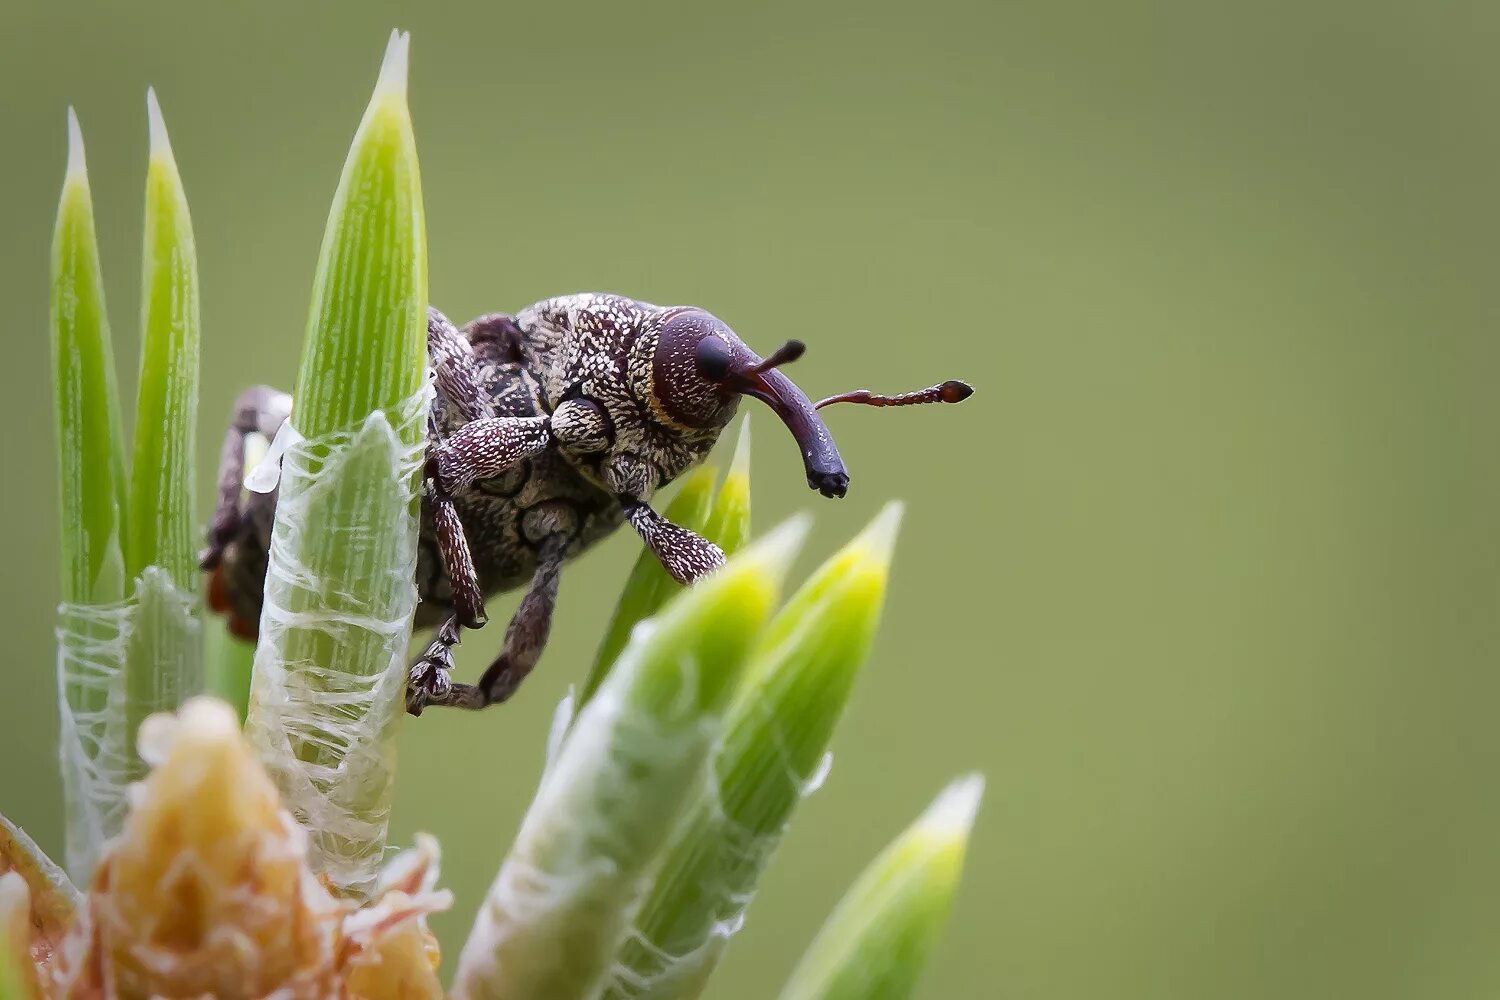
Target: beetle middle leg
[480,449]
[428,677]
[552,526]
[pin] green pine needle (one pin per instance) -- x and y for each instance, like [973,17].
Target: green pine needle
[330,669]
[164,664]
[776,735]
[163,528]
[721,516]
[728,521]
[649,586]
[876,942]
[366,346]
[635,758]
[91,445]
[91,491]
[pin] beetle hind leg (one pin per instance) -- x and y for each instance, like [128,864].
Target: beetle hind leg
[260,410]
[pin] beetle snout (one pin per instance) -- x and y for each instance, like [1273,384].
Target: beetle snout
[820,457]
[831,484]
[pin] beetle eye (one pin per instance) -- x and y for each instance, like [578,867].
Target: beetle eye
[713,357]
[693,367]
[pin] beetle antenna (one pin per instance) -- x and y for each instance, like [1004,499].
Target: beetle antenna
[951,391]
[785,354]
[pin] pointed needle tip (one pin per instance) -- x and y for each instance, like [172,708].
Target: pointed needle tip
[160,144]
[76,165]
[393,69]
[952,812]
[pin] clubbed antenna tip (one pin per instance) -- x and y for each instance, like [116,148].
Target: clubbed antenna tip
[76,165]
[951,391]
[392,79]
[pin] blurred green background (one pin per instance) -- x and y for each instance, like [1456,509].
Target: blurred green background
[1205,576]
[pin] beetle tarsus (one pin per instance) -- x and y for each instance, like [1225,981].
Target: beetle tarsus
[430,678]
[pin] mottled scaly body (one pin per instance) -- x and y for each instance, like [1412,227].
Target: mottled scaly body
[588,346]
[549,430]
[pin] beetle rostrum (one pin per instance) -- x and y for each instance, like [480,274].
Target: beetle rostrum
[549,428]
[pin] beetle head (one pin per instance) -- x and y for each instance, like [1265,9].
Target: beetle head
[701,368]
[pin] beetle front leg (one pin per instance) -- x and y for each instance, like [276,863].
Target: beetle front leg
[684,554]
[485,448]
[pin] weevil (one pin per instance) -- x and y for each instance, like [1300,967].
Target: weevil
[549,429]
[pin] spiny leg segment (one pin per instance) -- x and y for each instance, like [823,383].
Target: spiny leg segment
[684,554]
[483,447]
